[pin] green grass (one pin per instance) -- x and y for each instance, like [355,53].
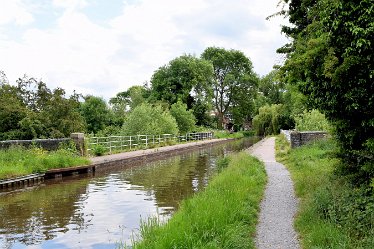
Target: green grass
[224,215]
[332,212]
[227,134]
[18,161]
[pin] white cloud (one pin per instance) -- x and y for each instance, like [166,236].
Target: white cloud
[70,4]
[15,11]
[92,58]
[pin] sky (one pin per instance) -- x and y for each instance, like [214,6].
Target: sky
[102,47]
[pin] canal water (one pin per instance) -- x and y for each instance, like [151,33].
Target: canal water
[104,210]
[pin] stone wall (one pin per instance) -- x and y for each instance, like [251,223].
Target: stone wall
[48,144]
[297,138]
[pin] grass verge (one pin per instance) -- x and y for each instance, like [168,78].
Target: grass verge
[224,215]
[332,212]
[227,134]
[18,161]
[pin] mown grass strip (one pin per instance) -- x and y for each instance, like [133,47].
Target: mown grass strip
[332,212]
[18,161]
[224,215]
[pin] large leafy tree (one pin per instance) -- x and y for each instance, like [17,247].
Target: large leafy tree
[96,113]
[12,111]
[233,79]
[272,88]
[185,79]
[331,61]
[130,98]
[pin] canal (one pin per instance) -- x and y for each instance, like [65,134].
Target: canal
[103,210]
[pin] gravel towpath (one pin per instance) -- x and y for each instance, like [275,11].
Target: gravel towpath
[279,205]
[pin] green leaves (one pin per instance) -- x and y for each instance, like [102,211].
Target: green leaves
[332,65]
[147,119]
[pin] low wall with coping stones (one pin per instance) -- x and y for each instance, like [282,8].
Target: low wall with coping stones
[299,138]
[48,144]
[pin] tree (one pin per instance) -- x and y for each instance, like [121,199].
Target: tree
[129,99]
[185,78]
[12,111]
[331,62]
[147,119]
[269,120]
[185,118]
[233,76]
[272,88]
[31,110]
[95,113]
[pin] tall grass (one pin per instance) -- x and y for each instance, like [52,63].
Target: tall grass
[18,161]
[222,216]
[332,212]
[227,134]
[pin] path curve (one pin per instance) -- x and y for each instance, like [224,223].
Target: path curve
[279,205]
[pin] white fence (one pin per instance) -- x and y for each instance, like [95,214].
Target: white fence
[117,143]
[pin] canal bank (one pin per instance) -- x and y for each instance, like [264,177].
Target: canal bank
[102,209]
[107,162]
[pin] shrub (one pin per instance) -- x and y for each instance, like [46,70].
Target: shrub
[99,150]
[312,121]
[151,120]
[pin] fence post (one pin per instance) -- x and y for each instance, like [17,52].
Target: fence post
[78,139]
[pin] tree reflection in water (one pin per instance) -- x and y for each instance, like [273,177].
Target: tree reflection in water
[104,209]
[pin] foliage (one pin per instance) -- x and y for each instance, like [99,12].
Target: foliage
[332,213]
[31,110]
[150,120]
[18,161]
[99,150]
[95,112]
[312,121]
[185,79]
[270,119]
[222,216]
[129,99]
[185,118]
[272,88]
[233,81]
[226,134]
[331,62]
[201,111]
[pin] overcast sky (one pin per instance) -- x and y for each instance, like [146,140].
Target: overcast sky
[102,47]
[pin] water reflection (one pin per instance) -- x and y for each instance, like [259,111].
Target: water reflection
[99,211]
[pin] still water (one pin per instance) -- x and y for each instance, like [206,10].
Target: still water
[103,210]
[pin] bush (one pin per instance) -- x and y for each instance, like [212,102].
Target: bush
[150,120]
[312,121]
[99,150]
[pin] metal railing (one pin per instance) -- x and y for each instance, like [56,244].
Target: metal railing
[120,143]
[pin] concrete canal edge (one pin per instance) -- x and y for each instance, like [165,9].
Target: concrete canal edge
[131,158]
[107,162]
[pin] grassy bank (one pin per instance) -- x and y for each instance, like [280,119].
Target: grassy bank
[18,161]
[332,212]
[224,215]
[227,134]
